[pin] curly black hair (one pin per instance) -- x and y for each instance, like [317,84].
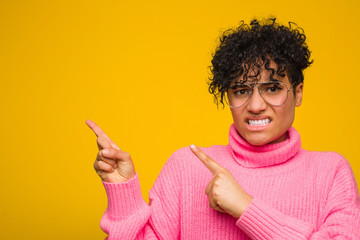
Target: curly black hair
[245,50]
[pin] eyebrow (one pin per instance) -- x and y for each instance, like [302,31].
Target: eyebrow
[250,84]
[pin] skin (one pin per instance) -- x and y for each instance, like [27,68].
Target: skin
[111,163]
[282,117]
[223,191]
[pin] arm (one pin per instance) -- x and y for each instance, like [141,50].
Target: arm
[340,218]
[127,215]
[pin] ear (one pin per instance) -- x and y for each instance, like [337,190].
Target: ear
[299,94]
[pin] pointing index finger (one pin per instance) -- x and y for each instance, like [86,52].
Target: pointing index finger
[99,132]
[211,164]
[96,129]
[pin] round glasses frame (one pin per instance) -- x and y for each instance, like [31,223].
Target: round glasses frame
[252,90]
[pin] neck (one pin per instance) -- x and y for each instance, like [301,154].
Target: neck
[270,154]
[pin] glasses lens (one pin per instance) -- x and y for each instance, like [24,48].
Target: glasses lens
[238,95]
[275,93]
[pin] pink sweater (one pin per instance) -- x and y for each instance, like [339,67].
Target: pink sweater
[297,194]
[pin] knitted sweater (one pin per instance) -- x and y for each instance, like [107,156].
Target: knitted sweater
[298,194]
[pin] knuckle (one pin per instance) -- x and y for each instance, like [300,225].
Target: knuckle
[96,165]
[216,185]
[207,191]
[215,193]
[100,158]
[217,177]
[212,204]
[224,174]
[110,153]
[103,166]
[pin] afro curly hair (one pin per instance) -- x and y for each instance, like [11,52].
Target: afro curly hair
[248,48]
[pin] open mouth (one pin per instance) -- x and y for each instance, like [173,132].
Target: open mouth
[260,122]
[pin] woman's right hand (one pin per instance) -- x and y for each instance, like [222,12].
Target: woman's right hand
[111,164]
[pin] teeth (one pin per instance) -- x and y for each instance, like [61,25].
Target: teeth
[262,122]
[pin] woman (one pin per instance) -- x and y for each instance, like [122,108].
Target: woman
[260,186]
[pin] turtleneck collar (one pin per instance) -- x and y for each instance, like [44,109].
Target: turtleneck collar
[252,156]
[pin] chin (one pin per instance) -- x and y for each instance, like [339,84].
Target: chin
[257,141]
[260,139]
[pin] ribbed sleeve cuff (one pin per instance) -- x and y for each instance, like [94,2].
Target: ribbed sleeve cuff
[124,199]
[261,221]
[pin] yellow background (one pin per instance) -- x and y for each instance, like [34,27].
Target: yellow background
[139,70]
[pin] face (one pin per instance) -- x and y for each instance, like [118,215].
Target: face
[278,118]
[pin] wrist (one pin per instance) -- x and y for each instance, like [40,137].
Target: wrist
[243,206]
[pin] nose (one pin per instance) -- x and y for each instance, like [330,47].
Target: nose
[256,104]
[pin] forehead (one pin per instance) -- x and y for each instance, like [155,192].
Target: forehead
[253,75]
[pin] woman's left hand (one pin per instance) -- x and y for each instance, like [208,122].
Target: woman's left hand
[224,192]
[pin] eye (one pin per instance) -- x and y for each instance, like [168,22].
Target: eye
[241,91]
[273,88]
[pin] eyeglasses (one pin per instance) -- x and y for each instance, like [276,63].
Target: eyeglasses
[275,93]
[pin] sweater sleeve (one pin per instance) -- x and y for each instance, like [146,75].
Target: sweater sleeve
[129,217]
[341,215]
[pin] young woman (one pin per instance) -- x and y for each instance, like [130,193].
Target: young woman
[261,185]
